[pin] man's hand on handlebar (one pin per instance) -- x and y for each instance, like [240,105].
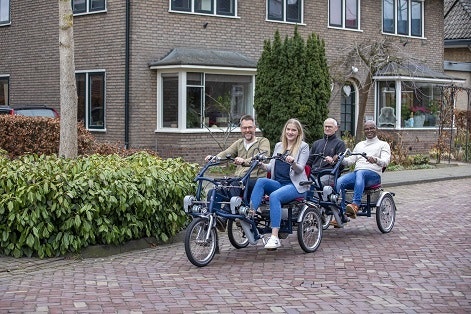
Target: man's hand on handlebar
[211,158]
[371,159]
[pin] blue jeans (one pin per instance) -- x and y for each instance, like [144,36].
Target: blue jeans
[357,181]
[279,194]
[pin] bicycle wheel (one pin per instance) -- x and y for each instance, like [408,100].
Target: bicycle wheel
[310,230]
[236,235]
[199,250]
[386,214]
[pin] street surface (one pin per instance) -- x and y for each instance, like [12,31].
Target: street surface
[422,266]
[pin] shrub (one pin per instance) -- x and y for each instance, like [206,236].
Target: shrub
[28,135]
[50,206]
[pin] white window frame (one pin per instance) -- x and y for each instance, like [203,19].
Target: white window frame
[344,16]
[214,10]
[88,101]
[398,99]
[182,92]
[89,9]
[5,18]
[284,19]
[409,18]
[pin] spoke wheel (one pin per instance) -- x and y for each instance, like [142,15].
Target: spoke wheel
[199,250]
[386,214]
[236,235]
[310,230]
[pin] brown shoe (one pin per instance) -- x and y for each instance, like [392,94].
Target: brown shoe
[334,224]
[352,210]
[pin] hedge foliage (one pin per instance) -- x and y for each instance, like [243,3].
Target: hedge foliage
[50,206]
[26,135]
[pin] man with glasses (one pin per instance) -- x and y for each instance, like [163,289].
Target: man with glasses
[242,151]
[367,170]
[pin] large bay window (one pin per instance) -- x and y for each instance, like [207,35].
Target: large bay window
[407,104]
[200,100]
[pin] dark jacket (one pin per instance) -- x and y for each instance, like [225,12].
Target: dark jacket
[327,146]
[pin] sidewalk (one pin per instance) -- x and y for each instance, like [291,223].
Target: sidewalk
[443,171]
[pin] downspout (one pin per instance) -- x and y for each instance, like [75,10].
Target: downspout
[126,75]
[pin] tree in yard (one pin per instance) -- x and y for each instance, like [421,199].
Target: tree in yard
[68,89]
[292,82]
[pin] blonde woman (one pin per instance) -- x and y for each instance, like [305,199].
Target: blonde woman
[283,186]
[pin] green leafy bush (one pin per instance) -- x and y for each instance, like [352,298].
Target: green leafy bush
[50,206]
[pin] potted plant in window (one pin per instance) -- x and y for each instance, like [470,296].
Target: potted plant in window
[419,115]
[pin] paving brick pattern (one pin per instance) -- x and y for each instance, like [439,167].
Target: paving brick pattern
[422,266]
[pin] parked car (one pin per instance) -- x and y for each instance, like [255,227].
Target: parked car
[7,110]
[36,111]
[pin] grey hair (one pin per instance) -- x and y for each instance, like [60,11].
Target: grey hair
[331,120]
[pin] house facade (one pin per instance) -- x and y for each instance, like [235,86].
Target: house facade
[174,75]
[457,56]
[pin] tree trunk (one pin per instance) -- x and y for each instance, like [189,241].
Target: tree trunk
[68,90]
[362,101]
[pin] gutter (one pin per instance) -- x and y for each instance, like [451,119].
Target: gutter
[126,75]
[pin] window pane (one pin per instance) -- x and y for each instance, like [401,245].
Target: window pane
[4,11]
[81,96]
[275,10]
[386,105]
[420,105]
[225,7]
[388,16]
[181,5]
[407,116]
[227,99]
[194,106]
[170,100]
[293,11]
[96,118]
[402,17]
[97,5]
[416,23]
[335,13]
[4,91]
[79,6]
[194,78]
[351,14]
[205,6]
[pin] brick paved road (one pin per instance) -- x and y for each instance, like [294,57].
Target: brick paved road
[422,266]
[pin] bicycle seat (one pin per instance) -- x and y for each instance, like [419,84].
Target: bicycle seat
[373,187]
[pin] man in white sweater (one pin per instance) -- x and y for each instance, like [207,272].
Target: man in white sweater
[367,170]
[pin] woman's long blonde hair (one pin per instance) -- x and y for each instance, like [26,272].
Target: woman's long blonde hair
[284,140]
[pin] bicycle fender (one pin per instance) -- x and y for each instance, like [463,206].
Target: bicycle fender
[382,195]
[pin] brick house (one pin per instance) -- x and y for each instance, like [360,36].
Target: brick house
[457,58]
[165,74]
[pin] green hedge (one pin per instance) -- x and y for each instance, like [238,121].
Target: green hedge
[50,206]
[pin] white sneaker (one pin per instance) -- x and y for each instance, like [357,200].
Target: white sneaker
[273,243]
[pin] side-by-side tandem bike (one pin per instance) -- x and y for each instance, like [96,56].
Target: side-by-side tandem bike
[307,217]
